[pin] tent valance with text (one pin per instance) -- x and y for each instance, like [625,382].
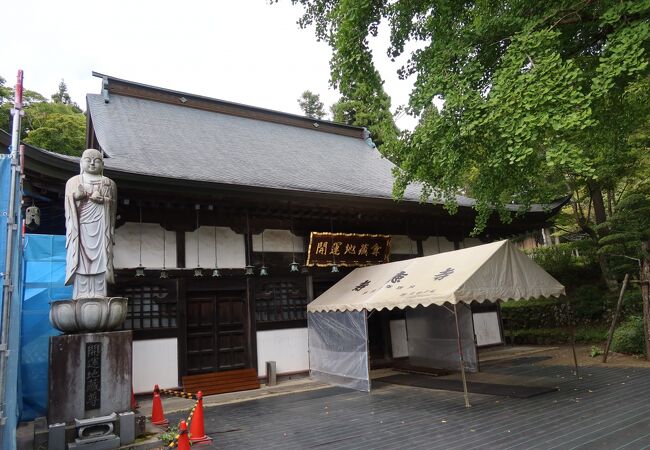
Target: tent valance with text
[495,271]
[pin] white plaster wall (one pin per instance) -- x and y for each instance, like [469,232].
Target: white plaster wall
[231,251]
[402,245]
[127,246]
[278,241]
[398,338]
[288,348]
[155,361]
[436,244]
[470,242]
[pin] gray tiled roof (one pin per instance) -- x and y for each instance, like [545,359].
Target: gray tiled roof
[153,138]
[164,140]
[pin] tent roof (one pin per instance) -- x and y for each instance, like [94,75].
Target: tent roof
[496,271]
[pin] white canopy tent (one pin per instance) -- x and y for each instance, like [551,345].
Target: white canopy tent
[337,320]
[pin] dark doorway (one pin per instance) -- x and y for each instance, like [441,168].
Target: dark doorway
[216,331]
[379,343]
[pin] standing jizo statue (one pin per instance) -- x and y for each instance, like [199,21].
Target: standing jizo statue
[90,205]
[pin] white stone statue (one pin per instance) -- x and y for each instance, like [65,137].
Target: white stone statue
[90,205]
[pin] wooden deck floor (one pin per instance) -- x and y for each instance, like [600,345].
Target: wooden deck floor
[606,408]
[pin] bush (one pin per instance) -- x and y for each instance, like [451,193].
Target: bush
[551,336]
[554,259]
[630,337]
[590,304]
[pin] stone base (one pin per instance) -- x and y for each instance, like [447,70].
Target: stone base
[89,375]
[105,444]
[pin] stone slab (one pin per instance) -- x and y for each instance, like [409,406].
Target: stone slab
[56,437]
[127,428]
[78,380]
[106,444]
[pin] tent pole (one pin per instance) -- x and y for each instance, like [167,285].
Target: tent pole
[572,328]
[460,359]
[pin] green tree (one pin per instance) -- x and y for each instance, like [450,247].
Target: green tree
[627,244]
[58,126]
[311,105]
[62,96]
[539,99]
[7,103]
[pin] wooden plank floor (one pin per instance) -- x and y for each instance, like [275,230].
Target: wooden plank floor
[608,408]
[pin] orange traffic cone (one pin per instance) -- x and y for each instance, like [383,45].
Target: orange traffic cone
[183,438]
[157,414]
[197,428]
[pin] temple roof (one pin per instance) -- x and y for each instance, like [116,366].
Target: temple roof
[158,132]
[153,138]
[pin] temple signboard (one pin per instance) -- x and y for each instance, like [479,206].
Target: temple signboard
[347,249]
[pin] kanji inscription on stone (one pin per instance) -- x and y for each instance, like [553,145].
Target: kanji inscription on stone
[93,385]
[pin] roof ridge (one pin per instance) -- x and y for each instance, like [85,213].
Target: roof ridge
[191,100]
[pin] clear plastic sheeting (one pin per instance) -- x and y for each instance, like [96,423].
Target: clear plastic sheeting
[432,338]
[338,350]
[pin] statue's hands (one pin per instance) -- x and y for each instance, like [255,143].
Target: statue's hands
[97,197]
[80,194]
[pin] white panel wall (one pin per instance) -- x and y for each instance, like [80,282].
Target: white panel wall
[436,244]
[470,242]
[402,245]
[288,348]
[230,248]
[127,246]
[487,328]
[278,241]
[398,338]
[155,361]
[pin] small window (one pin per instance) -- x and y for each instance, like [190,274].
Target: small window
[152,306]
[281,303]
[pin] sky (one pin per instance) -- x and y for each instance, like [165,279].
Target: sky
[245,51]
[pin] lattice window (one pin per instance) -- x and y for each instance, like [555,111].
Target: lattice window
[281,301]
[150,307]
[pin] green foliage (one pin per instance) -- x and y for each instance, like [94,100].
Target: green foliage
[550,336]
[629,337]
[585,305]
[570,269]
[554,259]
[595,351]
[538,97]
[344,25]
[311,105]
[65,133]
[629,229]
[58,126]
[169,436]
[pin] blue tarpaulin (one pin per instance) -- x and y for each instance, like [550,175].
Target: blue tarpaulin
[11,382]
[44,277]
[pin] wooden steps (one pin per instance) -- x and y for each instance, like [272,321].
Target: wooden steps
[222,382]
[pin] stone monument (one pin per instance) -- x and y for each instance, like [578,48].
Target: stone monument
[90,365]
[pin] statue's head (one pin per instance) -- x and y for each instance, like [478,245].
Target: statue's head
[92,162]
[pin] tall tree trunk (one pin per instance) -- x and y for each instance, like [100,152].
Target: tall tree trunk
[600,214]
[644,278]
[610,202]
[600,217]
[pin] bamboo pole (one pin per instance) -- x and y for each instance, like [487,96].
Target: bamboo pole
[619,305]
[460,358]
